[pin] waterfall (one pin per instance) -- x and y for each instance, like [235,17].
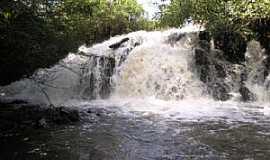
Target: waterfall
[158,69]
[168,65]
[153,64]
[257,81]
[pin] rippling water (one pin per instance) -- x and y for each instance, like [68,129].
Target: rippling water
[150,130]
[185,123]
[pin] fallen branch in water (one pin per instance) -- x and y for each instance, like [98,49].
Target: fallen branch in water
[43,91]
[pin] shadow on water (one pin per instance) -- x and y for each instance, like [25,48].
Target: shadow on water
[107,135]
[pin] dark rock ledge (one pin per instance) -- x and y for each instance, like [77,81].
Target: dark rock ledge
[20,115]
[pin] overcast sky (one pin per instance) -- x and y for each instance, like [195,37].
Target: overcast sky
[149,6]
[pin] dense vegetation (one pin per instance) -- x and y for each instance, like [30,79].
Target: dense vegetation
[230,22]
[229,14]
[37,33]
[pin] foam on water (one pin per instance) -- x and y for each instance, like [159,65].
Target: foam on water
[199,110]
[154,73]
[160,71]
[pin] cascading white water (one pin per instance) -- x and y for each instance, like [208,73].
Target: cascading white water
[256,81]
[159,64]
[146,95]
[158,69]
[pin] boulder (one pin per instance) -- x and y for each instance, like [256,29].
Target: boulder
[220,91]
[173,38]
[203,62]
[261,27]
[212,70]
[118,44]
[246,94]
[233,44]
[220,70]
[205,35]
[266,64]
[14,116]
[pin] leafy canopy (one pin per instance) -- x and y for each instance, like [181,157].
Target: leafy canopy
[235,14]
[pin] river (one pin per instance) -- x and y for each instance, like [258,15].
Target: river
[142,96]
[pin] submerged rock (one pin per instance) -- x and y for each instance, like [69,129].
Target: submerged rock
[246,94]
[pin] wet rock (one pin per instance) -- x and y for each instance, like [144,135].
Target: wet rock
[18,101]
[246,94]
[63,115]
[203,63]
[212,71]
[266,64]
[233,45]
[137,44]
[26,139]
[43,123]
[220,91]
[220,70]
[205,45]
[13,116]
[125,55]
[218,55]
[118,44]
[261,27]
[97,154]
[97,77]
[202,58]
[173,38]
[8,101]
[205,35]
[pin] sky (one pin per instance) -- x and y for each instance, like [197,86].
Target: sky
[149,7]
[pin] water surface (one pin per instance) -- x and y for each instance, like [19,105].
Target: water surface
[131,130]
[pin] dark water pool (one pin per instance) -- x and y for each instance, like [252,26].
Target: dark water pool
[104,134]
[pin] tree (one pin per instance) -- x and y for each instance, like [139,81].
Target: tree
[230,22]
[233,14]
[38,33]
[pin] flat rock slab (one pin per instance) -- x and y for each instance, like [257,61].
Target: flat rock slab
[14,116]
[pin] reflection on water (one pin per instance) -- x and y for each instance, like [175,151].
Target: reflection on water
[113,133]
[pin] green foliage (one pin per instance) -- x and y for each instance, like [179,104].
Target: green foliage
[230,22]
[38,33]
[94,20]
[27,42]
[215,14]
